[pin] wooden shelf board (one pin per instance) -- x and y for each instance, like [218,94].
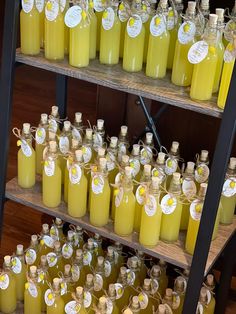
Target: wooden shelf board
[171,253]
[161,90]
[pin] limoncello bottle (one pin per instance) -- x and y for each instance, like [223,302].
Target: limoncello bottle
[46,242]
[111,158]
[124,8]
[67,284]
[202,170]
[99,6]
[211,302]
[32,252]
[100,196]
[179,288]
[33,293]
[164,278]
[171,164]
[124,287]
[146,154]
[77,128]
[119,256]
[54,31]
[147,302]
[111,270]
[79,36]
[29,28]
[56,230]
[99,135]
[77,271]
[90,299]
[89,256]
[78,237]
[110,36]
[43,279]
[64,147]
[52,176]
[134,163]
[54,120]
[189,189]
[159,170]
[151,214]
[102,306]
[162,309]
[202,82]
[125,206]
[155,274]
[134,275]
[68,247]
[123,142]
[141,261]
[168,297]
[40,5]
[40,142]
[93,31]
[112,299]
[53,299]
[202,303]
[171,211]
[87,149]
[97,239]
[182,69]
[55,260]
[19,269]
[7,287]
[79,304]
[134,44]
[99,277]
[159,41]
[64,7]
[26,159]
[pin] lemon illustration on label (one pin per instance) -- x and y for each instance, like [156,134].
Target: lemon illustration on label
[198,208]
[105,14]
[96,181]
[169,163]
[212,49]
[131,21]
[232,184]
[141,191]
[157,21]
[42,242]
[121,7]
[19,143]
[49,6]
[186,28]
[200,171]
[74,171]
[116,192]
[171,13]
[50,296]
[27,286]
[41,276]
[84,14]
[144,7]
[170,202]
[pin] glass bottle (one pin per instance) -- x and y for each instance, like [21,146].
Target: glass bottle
[54,120]
[90,299]
[168,297]
[99,278]
[159,170]
[124,7]
[97,239]
[32,252]
[43,279]
[155,274]
[77,128]
[202,304]
[111,270]
[46,242]
[33,293]
[54,301]
[87,149]
[135,305]
[124,287]
[171,164]
[102,306]
[89,256]
[99,7]
[77,268]
[202,168]
[119,256]
[68,247]
[40,142]
[64,147]
[112,299]
[164,278]
[64,7]
[78,237]
[134,275]
[134,162]
[55,261]
[40,5]
[147,301]
[211,302]
[111,157]
[99,135]
[162,309]
[123,142]
[179,288]
[19,269]
[26,159]
[93,31]
[67,284]
[146,154]
[56,230]
[141,262]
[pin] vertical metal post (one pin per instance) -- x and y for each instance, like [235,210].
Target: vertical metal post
[61,94]
[216,180]
[11,19]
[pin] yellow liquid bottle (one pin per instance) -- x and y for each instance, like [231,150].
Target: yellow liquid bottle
[93,32]
[171,163]
[55,261]
[68,249]
[125,206]
[54,301]
[64,148]
[111,158]
[156,275]
[143,268]
[171,211]
[89,299]
[77,270]
[43,279]
[123,142]
[67,285]
[54,31]
[79,39]
[202,170]
[40,142]
[99,8]
[211,302]
[98,245]
[29,28]
[89,256]
[112,299]
[52,178]
[111,269]
[123,289]
[19,269]
[54,119]
[77,128]
[26,159]
[7,288]
[88,153]
[133,273]
[135,307]
[159,171]
[100,197]
[202,304]
[110,37]
[146,24]
[135,164]
[151,217]
[56,230]
[33,293]
[99,278]
[46,242]
[123,16]
[146,299]
[32,252]
[78,306]
[134,45]
[179,288]
[40,5]
[78,238]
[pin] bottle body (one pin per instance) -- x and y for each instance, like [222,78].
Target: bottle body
[219,66]
[8,295]
[20,278]
[93,35]
[173,37]
[185,215]
[26,166]
[57,307]
[228,208]
[32,299]
[39,148]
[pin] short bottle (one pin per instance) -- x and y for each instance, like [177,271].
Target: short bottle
[202,304]
[134,162]
[123,142]
[179,288]
[202,168]
[102,306]
[97,239]
[164,278]
[68,247]
[53,299]
[77,127]
[134,274]
[40,142]
[78,274]
[56,230]
[99,277]
[32,252]
[43,279]
[211,302]
[67,284]
[111,269]
[87,149]
[89,256]
[32,295]
[55,260]
[99,135]
[54,119]
[147,301]
[125,288]
[64,146]
[46,241]
[19,269]
[146,153]
[135,305]
[171,163]
[112,299]
[78,304]
[155,274]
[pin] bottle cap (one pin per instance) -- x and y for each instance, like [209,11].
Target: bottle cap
[232,163]
[58,221]
[204,155]
[54,111]
[100,124]
[186,272]
[44,118]
[125,159]
[79,253]
[33,270]
[51,136]
[57,245]
[175,145]
[205,4]
[67,126]
[203,188]
[147,170]
[114,141]
[161,157]
[89,278]
[179,282]
[43,260]
[79,155]
[78,117]
[45,228]
[19,249]
[56,283]
[34,238]
[190,167]
[90,243]
[191,7]
[101,152]
[74,143]
[89,134]
[136,149]
[110,251]
[103,163]
[156,270]
[100,260]
[102,301]
[220,13]
[176,177]
[67,269]
[210,280]
[52,146]
[134,262]
[149,137]
[124,130]
[79,291]
[128,171]
[128,311]
[26,128]
[169,292]
[7,260]
[161,309]
[163,3]
[147,283]
[213,19]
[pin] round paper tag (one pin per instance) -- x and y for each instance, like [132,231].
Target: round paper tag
[87,299]
[87,154]
[110,161]
[143,300]
[49,167]
[130,277]
[52,259]
[4,281]
[48,241]
[53,126]
[158,173]
[123,12]
[135,165]
[108,18]
[87,258]
[119,290]
[186,32]
[98,282]
[72,19]
[49,297]
[51,11]
[140,194]
[168,204]
[30,256]
[198,52]
[75,272]
[146,156]
[75,174]
[107,268]
[171,19]
[72,307]
[40,135]
[202,173]
[119,197]
[76,134]
[64,144]
[189,188]
[134,26]
[97,184]
[150,206]
[98,5]
[157,25]
[26,149]
[196,210]
[40,5]
[67,251]
[27,5]
[171,166]
[229,187]
[33,290]
[16,265]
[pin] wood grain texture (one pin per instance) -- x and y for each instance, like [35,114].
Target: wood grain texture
[172,253]
[133,83]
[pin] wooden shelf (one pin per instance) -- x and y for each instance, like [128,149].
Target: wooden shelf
[137,83]
[172,253]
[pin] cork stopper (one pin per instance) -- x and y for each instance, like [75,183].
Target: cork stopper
[124,130]
[19,249]
[156,182]
[100,124]
[203,189]
[149,137]
[90,243]
[56,283]
[26,128]
[162,263]
[191,7]
[45,228]
[114,141]
[70,235]
[220,13]
[97,236]
[147,283]
[52,136]
[163,3]
[232,163]
[67,126]
[110,251]
[161,157]
[67,269]
[89,278]
[210,280]
[54,111]
[103,302]
[33,270]
[89,134]
[147,170]
[186,272]
[79,155]
[74,143]
[79,291]
[156,271]
[58,221]
[190,167]
[57,245]
[78,117]
[176,177]
[52,146]
[79,253]
[203,294]
[125,159]
[175,145]
[169,292]
[7,260]
[136,149]
[204,155]
[128,311]
[128,171]
[101,152]
[43,260]
[213,20]
[205,4]
[134,262]
[34,239]
[135,302]
[103,163]
[44,118]
[79,229]
[180,283]
[100,260]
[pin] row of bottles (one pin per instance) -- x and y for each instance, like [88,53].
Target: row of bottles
[194,49]
[92,280]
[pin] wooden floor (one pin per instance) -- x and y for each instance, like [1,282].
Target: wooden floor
[34,93]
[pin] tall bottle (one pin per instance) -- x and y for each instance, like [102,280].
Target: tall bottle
[202,304]
[99,7]
[171,164]
[53,299]
[93,31]
[40,142]
[228,197]
[43,279]
[111,157]
[171,211]
[54,31]
[89,256]
[146,154]
[182,69]
[79,35]
[124,7]
[46,242]
[19,270]
[32,252]
[112,299]
[125,206]
[100,193]
[29,28]
[202,82]
[99,277]
[151,216]
[7,287]
[55,260]
[158,45]
[110,35]
[211,302]
[33,293]
[134,162]
[64,7]
[64,147]
[26,159]
[52,176]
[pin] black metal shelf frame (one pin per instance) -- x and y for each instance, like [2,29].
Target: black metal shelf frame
[219,165]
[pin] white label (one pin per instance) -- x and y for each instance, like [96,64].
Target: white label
[16,265]
[108,18]
[98,282]
[143,300]
[54,233]
[130,277]
[158,173]
[135,165]
[171,166]
[119,290]
[72,19]
[87,258]
[109,309]
[4,281]
[168,204]
[76,134]
[64,144]
[72,307]
[63,288]
[107,268]
[110,161]
[196,210]
[49,297]
[48,241]
[229,187]
[202,173]
[186,32]
[52,259]
[87,299]
[140,194]
[119,196]
[33,291]
[98,5]
[51,11]
[53,126]
[49,167]
[87,153]
[134,26]
[30,256]
[146,155]
[150,206]
[189,188]
[97,184]
[26,149]
[75,174]
[75,272]
[198,52]
[157,25]
[40,5]
[40,135]
[171,19]
[67,251]
[27,5]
